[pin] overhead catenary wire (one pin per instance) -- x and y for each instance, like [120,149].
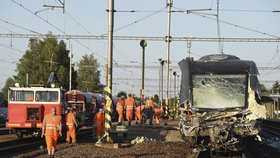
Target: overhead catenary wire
[277,67]
[58,29]
[114,46]
[5,21]
[246,10]
[12,48]
[228,23]
[83,27]
[210,9]
[137,21]
[242,27]
[275,54]
[7,29]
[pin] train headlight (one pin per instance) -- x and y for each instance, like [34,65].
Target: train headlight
[52,85]
[16,84]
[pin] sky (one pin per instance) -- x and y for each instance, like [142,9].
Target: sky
[145,18]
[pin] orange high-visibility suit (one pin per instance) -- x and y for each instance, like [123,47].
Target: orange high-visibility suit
[120,108]
[129,104]
[70,126]
[150,109]
[53,123]
[99,123]
[157,114]
[138,112]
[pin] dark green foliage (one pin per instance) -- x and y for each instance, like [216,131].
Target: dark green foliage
[9,82]
[156,98]
[40,59]
[88,74]
[122,93]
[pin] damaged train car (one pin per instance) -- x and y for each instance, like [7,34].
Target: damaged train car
[219,100]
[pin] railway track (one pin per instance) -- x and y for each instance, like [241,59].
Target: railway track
[270,128]
[4,131]
[168,136]
[17,147]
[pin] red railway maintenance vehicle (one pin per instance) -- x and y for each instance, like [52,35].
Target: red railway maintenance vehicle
[27,107]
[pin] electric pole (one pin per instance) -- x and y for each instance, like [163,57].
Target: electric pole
[168,40]
[108,110]
[70,66]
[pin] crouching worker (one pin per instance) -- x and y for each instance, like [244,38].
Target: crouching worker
[99,121]
[51,128]
[158,112]
[71,125]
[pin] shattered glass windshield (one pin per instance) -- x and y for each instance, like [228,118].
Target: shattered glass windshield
[219,91]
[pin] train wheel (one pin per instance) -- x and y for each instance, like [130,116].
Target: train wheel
[18,133]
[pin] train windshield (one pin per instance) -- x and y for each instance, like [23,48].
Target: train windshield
[219,91]
[33,95]
[20,95]
[47,96]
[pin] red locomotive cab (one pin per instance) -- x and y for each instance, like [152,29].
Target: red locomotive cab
[27,107]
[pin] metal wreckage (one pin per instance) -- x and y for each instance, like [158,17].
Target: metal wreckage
[219,101]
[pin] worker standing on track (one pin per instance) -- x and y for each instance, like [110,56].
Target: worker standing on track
[129,107]
[71,125]
[120,109]
[51,128]
[99,122]
[150,109]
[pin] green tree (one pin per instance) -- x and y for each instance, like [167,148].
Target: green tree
[276,84]
[276,87]
[156,98]
[263,88]
[88,74]
[9,82]
[122,93]
[42,58]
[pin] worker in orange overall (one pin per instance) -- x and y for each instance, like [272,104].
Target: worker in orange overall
[138,113]
[71,125]
[129,107]
[158,112]
[51,128]
[120,109]
[99,121]
[149,107]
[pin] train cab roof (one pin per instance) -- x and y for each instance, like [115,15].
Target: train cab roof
[216,64]
[34,89]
